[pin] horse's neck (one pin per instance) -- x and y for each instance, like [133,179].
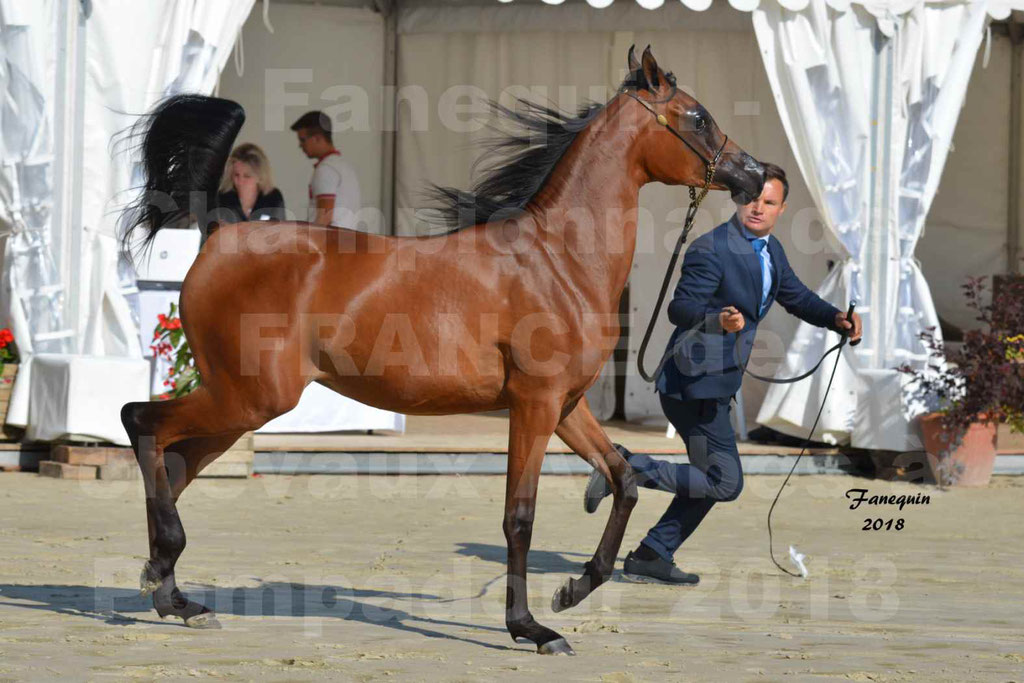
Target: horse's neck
[587,212]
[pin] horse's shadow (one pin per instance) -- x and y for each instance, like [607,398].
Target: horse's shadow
[120,606]
[538,561]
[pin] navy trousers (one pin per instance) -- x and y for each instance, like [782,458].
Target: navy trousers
[713,474]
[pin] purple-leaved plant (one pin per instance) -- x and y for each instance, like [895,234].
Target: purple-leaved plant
[984,378]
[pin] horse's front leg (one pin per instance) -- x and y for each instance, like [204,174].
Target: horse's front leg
[531,423]
[581,431]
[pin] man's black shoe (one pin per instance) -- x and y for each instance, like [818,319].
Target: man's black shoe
[658,570]
[598,487]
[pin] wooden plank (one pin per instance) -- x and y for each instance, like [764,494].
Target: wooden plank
[119,471]
[77,455]
[240,451]
[227,469]
[26,447]
[236,456]
[61,470]
[90,455]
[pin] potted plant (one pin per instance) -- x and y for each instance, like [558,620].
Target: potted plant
[8,371]
[974,387]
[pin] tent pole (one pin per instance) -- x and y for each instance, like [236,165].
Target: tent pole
[877,247]
[389,120]
[69,128]
[1013,251]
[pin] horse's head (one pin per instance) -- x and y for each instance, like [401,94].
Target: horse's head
[678,139]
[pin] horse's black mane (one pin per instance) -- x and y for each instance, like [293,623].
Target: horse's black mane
[522,161]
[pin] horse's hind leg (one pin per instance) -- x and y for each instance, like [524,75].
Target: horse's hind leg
[182,463]
[173,441]
[581,431]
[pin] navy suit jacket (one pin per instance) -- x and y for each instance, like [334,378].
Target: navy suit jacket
[722,269]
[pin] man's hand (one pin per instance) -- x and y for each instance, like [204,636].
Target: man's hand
[844,324]
[731,319]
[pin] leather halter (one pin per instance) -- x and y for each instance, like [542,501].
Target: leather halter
[691,213]
[663,121]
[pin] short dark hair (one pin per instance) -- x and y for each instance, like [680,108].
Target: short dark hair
[316,121]
[773,172]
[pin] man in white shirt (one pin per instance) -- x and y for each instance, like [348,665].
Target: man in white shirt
[334,188]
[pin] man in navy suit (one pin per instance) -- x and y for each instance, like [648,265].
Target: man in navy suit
[731,276]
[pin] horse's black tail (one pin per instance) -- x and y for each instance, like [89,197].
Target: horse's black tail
[185,142]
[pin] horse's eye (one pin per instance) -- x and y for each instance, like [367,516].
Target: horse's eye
[699,123]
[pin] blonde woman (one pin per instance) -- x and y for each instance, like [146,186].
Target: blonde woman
[247,191]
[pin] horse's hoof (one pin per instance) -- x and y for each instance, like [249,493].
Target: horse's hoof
[147,584]
[558,646]
[206,620]
[562,599]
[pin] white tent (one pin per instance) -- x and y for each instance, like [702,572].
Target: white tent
[413,52]
[74,75]
[869,99]
[822,72]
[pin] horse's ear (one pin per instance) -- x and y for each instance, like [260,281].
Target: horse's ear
[634,63]
[650,69]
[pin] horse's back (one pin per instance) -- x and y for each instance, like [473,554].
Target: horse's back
[285,238]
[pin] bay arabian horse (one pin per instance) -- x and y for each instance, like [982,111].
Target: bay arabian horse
[516,307]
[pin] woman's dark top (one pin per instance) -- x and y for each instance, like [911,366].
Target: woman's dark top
[269,206]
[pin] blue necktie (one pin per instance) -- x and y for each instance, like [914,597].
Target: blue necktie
[766,274]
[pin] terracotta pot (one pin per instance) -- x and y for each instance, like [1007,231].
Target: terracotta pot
[967,463]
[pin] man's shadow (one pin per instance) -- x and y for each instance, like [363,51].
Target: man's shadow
[121,606]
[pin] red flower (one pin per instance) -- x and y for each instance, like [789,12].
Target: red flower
[6,336]
[3,344]
[164,397]
[173,323]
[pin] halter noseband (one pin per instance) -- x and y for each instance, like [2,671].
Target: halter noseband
[709,166]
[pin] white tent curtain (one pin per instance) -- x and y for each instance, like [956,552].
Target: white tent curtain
[32,296]
[133,56]
[869,105]
[127,72]
[30,293]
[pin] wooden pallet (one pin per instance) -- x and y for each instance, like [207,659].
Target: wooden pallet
[118,464]
[90,462]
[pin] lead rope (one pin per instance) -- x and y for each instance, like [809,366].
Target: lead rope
[844,338]
[691,214]
[807,442]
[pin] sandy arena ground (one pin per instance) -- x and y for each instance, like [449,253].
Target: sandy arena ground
[400,578]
